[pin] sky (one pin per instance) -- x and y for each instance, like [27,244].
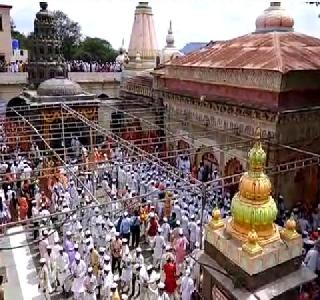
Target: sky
[192,20]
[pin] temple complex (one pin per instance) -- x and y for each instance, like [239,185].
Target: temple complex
[248,255]
[143,46]
[264,79]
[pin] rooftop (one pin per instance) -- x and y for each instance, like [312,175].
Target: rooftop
[276,51]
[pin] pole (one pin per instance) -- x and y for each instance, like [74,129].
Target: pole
[203,188]
[63,135]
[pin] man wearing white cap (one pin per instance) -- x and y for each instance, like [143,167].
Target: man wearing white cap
[187,286]
[62,268]
[192,226]
[180,247]
[165,227]
[44,279]
[159,246]
[78,270]
[90,285]
[138,257]
[51,263]
[114,292]
[74,196]
[143,281]
[69,247]
[106,282]
[162,295]
[126,276]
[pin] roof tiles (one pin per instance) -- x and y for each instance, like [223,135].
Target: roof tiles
[277,51]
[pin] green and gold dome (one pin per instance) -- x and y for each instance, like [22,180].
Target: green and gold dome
[253,207]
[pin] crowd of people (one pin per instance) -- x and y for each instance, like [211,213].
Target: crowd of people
[143,242]
[128,248]
[83,66]
[72,66]
[13,67]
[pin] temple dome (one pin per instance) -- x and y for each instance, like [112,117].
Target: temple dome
[170,52]
[59,87]
[253,206]
[275,18]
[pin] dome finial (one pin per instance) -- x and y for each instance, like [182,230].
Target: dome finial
[170,37]
[43,5]
[275,18]
[257,156]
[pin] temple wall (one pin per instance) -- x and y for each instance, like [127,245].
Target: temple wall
[12,84]
[247,96]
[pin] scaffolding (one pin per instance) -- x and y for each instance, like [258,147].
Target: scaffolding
[28,128]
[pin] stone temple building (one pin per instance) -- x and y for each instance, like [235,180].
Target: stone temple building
[49,87]
[268,78]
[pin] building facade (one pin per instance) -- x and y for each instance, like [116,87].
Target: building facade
[5,33]
[264,79]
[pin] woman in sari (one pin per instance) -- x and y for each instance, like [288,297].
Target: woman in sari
[23,207]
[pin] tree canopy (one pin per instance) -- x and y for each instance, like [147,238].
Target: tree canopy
[95,49]
[73,44]
[68,31]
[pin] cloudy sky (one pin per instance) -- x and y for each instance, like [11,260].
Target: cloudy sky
[193,20]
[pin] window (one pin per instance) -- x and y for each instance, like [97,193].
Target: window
[21,53]
[1,25]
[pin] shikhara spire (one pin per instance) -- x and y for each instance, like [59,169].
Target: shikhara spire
[170,37]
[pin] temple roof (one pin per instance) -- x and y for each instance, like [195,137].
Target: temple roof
[59,87]
[276,51]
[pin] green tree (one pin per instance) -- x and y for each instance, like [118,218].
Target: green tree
[69,32]
[95,49]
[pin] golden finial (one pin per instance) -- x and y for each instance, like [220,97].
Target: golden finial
[216,220]
[289,232]
[252,246]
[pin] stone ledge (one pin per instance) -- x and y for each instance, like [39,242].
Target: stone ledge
[272,255]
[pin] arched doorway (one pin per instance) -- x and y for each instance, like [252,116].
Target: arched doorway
[306,186]
[16,130]
[233,166]
[210,163]
[18,104]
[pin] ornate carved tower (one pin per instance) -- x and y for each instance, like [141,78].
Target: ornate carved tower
[46,59]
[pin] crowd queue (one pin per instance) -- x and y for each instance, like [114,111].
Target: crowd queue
[143,243]
[72,66]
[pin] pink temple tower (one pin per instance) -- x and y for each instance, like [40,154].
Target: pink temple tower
[143,47]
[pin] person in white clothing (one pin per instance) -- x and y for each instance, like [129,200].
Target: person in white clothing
[311,259]
[162,295]
[165,229]
[107,282]
[90,285]
[44,279]
[63,271]
[78,270]
[187,286]
[159,247]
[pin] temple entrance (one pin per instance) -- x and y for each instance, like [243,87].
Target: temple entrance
[306,186]
[18,104]
[210,163]
[17,131]
[233,167]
